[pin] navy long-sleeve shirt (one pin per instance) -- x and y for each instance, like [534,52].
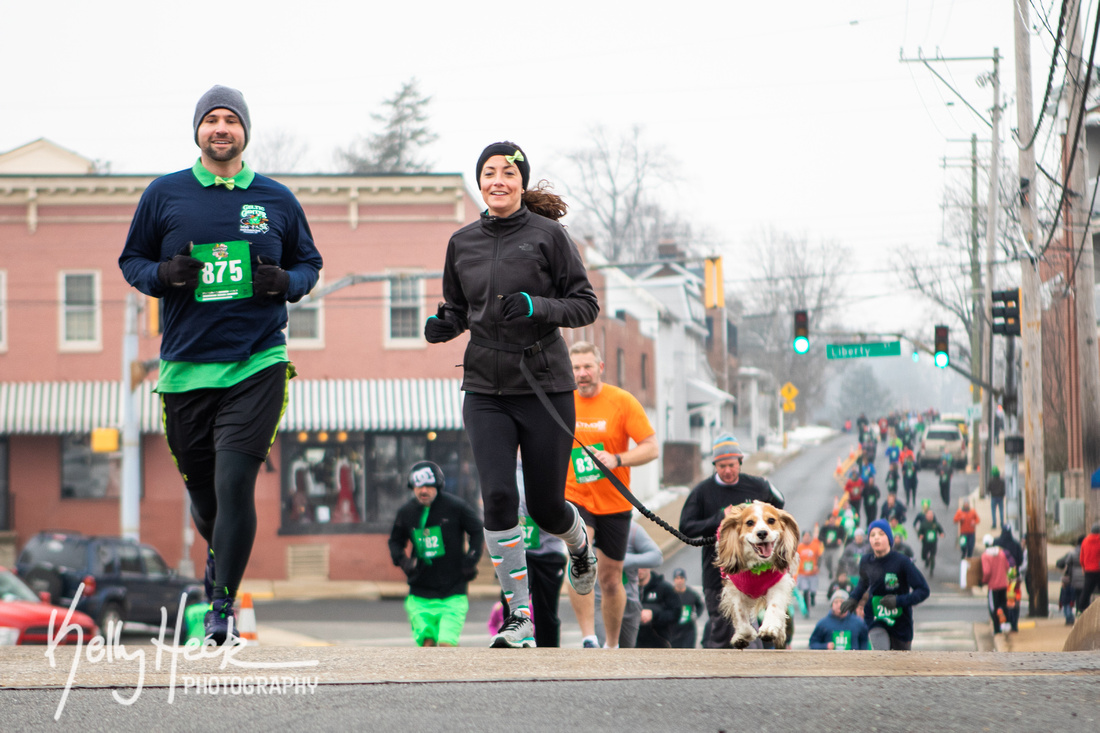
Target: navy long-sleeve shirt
[893,574]
[177,209]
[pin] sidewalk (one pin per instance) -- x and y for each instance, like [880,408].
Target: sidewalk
[1035,634]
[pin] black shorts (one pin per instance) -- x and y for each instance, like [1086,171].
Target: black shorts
[242,418]
[612,532]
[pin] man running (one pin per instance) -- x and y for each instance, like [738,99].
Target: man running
[608,419]
[225,248]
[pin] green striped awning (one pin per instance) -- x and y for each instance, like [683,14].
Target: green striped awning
[57,408]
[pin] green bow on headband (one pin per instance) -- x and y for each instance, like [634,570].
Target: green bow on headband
[513,158]
[227,182]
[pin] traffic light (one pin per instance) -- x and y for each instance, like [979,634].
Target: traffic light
[801,342]
[941,357]
[1006,306]
[714,290]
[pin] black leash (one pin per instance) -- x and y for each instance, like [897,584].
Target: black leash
[608,474]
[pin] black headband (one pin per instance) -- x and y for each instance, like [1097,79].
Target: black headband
[513,153]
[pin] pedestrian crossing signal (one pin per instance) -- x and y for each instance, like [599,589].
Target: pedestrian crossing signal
[801,342]
[941,357]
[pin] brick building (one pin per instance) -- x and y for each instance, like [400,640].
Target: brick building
[371,397]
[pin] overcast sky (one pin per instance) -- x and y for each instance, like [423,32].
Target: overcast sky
[796,115]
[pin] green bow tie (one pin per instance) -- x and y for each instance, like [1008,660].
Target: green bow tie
[513,158]
[227,182]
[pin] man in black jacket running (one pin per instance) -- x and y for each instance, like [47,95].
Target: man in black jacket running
[703,512]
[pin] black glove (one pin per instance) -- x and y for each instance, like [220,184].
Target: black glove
[182,271]
[437,329]
[469,573]
[849,605]
[516,305]
[269,281]
[408,565]
[889,602]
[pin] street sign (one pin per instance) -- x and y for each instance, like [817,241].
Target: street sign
[974,412]
[789,392]
[788,406]
[856,351]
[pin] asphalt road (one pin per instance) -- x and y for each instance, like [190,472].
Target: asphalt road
[950,703]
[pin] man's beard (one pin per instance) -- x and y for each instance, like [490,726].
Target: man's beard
[222,155]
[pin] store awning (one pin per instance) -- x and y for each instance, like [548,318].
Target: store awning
[58,408]
[701,393]
[374,404]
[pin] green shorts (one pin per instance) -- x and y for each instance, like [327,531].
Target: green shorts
[438,619]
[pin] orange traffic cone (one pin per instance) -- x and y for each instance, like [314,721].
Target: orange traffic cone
[247,629]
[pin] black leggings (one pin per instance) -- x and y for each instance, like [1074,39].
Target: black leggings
[499,424]
[225,515]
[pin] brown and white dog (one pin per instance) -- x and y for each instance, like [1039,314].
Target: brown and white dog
[757,545]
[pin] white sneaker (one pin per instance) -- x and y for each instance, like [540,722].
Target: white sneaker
[582,571]
[517,632]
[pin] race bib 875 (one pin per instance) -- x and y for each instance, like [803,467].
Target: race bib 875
[226,272]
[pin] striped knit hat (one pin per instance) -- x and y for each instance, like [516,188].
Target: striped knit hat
[726,446]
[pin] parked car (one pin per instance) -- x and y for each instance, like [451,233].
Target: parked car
[938,437]
[25,617]
[123,580]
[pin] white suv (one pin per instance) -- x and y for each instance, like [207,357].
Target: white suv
[938,437]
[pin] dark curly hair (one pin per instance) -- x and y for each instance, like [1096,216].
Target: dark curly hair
[544,203]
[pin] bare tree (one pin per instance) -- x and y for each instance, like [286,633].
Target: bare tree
[404,133]
[944,276]
[613,184]
[276,151]
[860,392]
[793,274]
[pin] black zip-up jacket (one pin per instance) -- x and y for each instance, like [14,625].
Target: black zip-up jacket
[461,532]
[496,257]
[705,508]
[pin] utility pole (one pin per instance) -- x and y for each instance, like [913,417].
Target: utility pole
[1079,239]
[976,310]
[990,247]
[984,367]
[1031,367]
[130,491]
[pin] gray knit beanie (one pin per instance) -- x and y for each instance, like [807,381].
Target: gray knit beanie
[219,97]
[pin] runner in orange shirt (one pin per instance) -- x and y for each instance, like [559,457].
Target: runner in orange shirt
[810,551]
[608,418]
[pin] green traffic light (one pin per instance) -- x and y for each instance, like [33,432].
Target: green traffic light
[942,359]
[801,345]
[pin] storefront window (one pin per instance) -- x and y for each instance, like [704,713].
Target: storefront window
[85,474]
[339,482]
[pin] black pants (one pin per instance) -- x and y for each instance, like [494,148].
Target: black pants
[1092,583]
[499,424]
[998,600]
[911,491]
[545,574]
[219,438]
[721,630]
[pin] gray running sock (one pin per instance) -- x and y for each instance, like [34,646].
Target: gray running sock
[575,538]
[510,562]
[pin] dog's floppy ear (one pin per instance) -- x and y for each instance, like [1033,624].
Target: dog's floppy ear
[728,548]
[786,549]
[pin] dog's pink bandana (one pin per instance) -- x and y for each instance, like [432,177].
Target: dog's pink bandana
[754,585]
